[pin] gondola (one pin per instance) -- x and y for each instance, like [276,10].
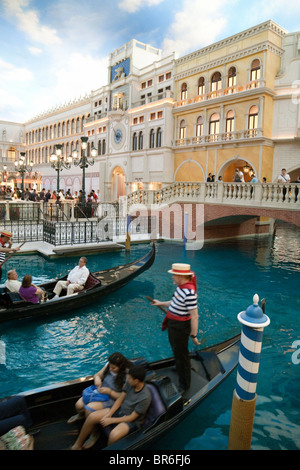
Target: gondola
[98,285]
[51,406]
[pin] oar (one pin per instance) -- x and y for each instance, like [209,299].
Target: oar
[10,256]
[159,306]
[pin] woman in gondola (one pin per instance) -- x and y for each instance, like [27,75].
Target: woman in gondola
[108,385]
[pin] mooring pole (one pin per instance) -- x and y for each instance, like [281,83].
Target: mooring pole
[127,241]
[253,322]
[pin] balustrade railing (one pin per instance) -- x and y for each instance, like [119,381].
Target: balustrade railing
[268,195]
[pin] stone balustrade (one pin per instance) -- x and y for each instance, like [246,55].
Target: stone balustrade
[267,195]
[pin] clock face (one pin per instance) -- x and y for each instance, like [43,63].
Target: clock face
[118,136]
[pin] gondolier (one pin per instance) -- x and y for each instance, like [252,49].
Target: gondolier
[182,320]
[5,247]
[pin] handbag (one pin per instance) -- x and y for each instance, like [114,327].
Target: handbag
[91,393]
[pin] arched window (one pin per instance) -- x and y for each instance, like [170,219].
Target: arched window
[255,70]
[231,77]
[99,147]
[184,91]
[182,129]
[216,81]
[229,127]
[201,86]
[214,127]
[134,141]
[253,121]
[141,139]
[152,139]
[158,137]
[199,127]
[103,147]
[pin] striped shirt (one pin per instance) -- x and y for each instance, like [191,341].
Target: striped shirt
[2,254]
[183,300]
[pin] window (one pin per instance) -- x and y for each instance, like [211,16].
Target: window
[135,120]
[201,86]
[134,141]
[214,127]
[141,119]
[141,138]
[168,75]
[252,121]
[184,91]
[161,78]
[152,116]
[152,139]
[232,77]
[229,121]
[255,70]
[149,82]
[158,137]
[143,85]
[216,81]
[159,114]
[199,127]
[182,129]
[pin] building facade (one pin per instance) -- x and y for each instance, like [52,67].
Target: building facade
[233,104]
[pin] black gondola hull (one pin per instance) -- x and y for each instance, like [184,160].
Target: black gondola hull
[51,406]
[125,274]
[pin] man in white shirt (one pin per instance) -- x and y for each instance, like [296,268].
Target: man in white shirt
[12,283]
[284,177]
[75,281]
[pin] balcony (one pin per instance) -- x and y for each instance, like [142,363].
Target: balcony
[221,138]
[221,93]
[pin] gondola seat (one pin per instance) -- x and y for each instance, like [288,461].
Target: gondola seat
[91,281]
[157,407]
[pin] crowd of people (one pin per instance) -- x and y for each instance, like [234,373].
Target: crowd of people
[34,195]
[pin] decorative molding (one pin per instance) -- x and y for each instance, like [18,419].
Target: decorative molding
[268,25]
[231,58]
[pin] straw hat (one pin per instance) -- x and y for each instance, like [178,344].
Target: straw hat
[5,233]
[181,269]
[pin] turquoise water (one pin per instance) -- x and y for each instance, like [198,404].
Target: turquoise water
[47,351]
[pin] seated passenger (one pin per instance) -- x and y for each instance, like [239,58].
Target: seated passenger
[12,283]
[127,413]
[108,385]
[29,292]
[75,281]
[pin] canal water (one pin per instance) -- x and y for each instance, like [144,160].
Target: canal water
[46,351]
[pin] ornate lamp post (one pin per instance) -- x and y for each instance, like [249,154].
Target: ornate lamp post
[83,162]
[58,162]
[21,167]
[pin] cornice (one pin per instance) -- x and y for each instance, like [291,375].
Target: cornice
[266,45]
[267,25]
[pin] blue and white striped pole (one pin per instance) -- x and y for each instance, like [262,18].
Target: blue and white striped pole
[253,322]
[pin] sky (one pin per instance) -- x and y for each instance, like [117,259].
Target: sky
[54,51]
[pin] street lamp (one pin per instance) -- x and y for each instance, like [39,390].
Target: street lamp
[21,167]
[83,162]
[58,162]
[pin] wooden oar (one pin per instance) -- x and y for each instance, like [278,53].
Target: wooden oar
[159,306]
[10,256]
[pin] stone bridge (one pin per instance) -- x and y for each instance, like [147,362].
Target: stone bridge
[228,209]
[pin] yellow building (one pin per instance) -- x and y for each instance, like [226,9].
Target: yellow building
[223,113]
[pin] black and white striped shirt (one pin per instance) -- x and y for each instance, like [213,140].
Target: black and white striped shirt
[183,300]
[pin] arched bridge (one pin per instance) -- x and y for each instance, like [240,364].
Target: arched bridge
[274,200]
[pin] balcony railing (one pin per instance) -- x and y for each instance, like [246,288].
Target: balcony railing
[222,137]
[220,93]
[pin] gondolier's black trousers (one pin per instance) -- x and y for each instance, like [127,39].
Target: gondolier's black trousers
[179,332]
